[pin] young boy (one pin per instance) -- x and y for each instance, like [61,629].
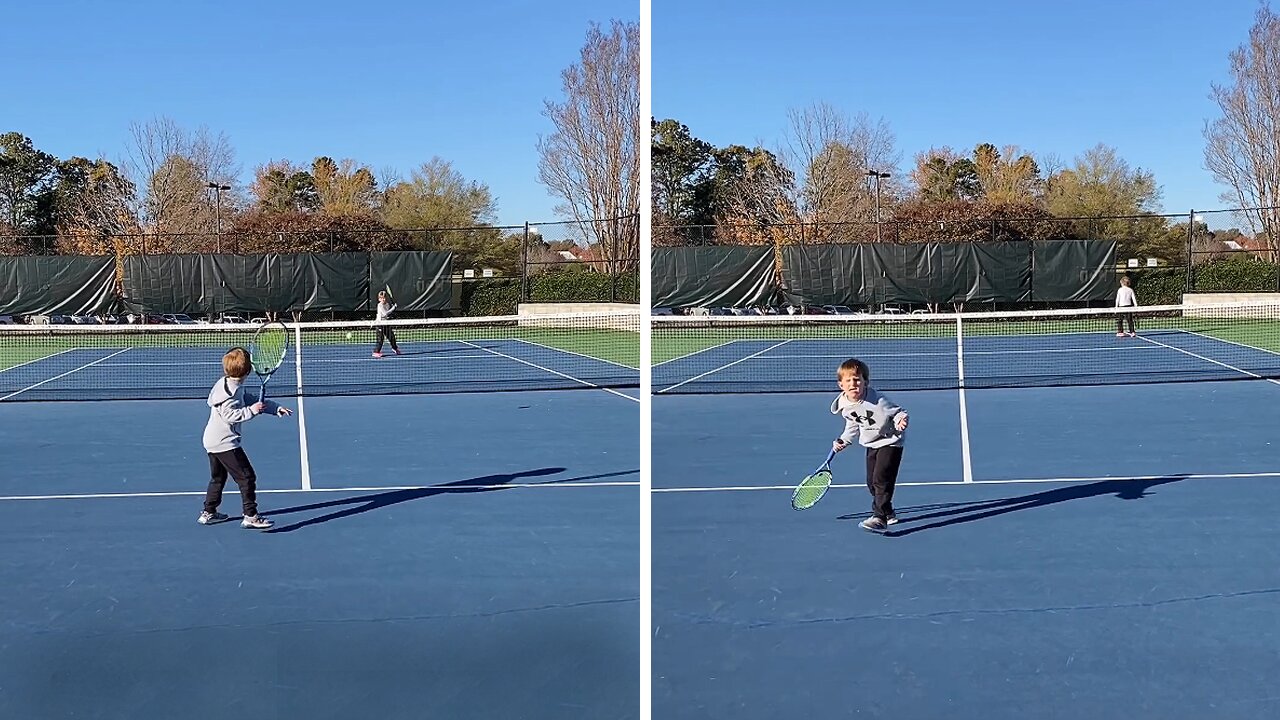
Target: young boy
[878,425]
[385,308]
[1125,298]
[229,406]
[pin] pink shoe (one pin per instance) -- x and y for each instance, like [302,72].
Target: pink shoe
[1117,335]
[1133,334]
[377,355]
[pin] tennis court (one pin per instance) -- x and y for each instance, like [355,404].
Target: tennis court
[1086,528]
[456,530]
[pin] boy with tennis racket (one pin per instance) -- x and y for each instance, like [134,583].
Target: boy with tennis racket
[230,405]
[385,308]
[878,425]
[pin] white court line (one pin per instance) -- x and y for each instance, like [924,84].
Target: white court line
[1012,481]
[553,372]
[40,359]
[1229,342]
[56,377]
[965,457]
[695,352]
[286,491]
[1130,348]
[570,352]
[1200,357]
[722,367]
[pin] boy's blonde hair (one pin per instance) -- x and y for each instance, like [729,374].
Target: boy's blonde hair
[235,363]
[854,366]
[1125,281]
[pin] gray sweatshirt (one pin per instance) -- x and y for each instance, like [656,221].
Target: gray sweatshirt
[229,405]
[869,421]
[384,310]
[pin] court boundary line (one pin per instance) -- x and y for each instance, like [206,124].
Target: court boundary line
[1211,360]
[553,372]
[41,359]
[285,491]
[1007,481]
[1230,342]
[695,352]
[69,372]
[722,367]
[578,354]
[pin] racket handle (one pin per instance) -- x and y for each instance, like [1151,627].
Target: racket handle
[830,456]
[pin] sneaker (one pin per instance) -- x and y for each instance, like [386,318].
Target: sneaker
[1119,334]
[1133,334]
[209,518]
[891,520]
[377,354]
[874,524]
[398,351]
[255,522]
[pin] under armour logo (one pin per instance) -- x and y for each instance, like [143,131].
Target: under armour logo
[869,420]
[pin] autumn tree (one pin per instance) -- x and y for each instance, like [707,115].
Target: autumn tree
[591,162]
[1242,148]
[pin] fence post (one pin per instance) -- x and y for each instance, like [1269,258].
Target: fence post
[1191,229]
[524,262]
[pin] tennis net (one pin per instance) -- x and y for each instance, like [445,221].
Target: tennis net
[145,362]
[1175,343]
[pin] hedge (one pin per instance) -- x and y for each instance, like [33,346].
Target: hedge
[1164,286]
[501,297]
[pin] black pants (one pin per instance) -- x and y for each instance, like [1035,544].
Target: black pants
[1120,323]
[236,463]
[882,477]
[386,333]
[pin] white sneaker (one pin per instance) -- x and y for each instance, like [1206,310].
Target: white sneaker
[891,520]
[873,523]
[211,518]
[255,522]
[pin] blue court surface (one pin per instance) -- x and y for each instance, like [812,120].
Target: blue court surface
[1106,552]
[452,556]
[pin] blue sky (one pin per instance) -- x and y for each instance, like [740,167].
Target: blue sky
[1052,78]
[388,83]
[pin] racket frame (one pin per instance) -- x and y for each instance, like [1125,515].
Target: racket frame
[265,375]
[825,466]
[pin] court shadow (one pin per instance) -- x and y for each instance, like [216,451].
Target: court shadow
[364,503]
[947,514]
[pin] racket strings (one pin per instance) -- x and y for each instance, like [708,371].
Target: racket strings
[811,490]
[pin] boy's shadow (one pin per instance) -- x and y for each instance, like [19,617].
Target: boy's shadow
[956,513]
[365,503]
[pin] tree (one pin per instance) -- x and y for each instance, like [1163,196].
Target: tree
[753,195]
[1110,199]
[835,153]
[175,165]
[1012,177]
[28,179]
[94,202]
[281,186]
[456,214]
[592,160]
[943,174]
[681,172]
[1242,147]
[346,188]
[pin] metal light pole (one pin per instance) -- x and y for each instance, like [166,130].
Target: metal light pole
[217,211]
[878,176]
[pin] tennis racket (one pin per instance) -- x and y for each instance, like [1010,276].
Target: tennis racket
[267,351]
[390,297]
[811,489]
